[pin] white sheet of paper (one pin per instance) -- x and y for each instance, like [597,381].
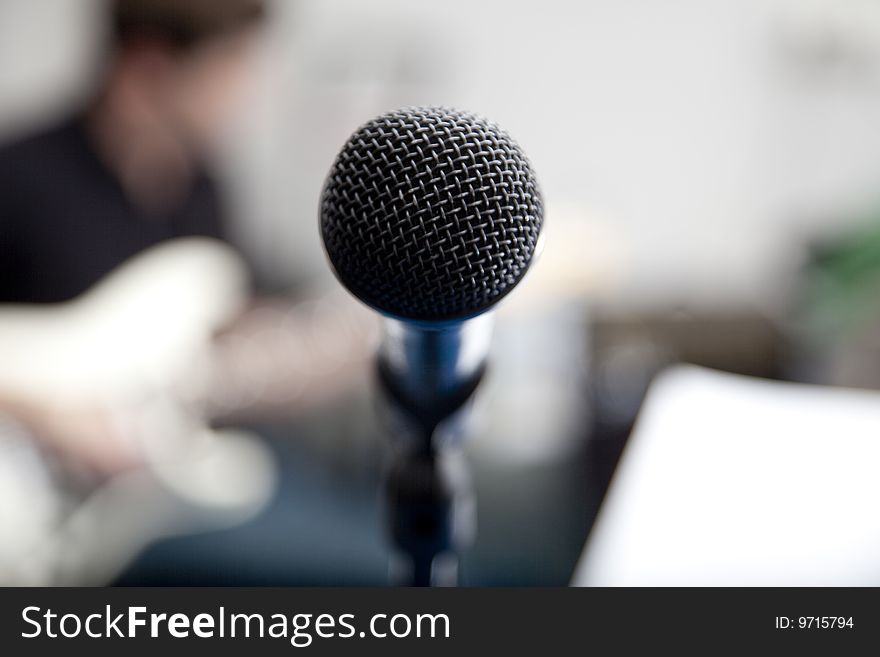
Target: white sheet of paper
[729,480]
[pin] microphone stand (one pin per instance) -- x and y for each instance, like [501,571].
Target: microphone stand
[430,516]
[431,513]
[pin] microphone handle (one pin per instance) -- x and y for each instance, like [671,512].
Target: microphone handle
[430,370]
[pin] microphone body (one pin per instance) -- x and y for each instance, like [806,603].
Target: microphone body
[431,216]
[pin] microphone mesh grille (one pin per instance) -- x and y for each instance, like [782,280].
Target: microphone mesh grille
[430,214]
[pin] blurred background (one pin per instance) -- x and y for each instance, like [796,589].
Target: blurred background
[711,172]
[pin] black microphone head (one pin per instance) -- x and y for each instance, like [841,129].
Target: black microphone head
[430,214]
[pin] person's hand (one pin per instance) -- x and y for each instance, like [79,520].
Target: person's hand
[287,358]
[88,436]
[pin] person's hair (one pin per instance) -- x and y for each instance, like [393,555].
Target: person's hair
[182,24]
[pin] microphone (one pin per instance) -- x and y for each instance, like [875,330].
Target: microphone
[431,216]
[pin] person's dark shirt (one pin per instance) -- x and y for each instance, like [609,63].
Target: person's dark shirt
[65,220]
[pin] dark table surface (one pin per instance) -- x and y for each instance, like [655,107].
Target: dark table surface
[326,526]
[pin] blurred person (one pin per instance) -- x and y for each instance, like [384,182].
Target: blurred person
[125,172]
[128,170]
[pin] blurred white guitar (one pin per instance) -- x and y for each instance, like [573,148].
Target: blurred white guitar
[137,345]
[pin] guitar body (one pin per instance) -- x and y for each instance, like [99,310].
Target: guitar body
[138,345]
